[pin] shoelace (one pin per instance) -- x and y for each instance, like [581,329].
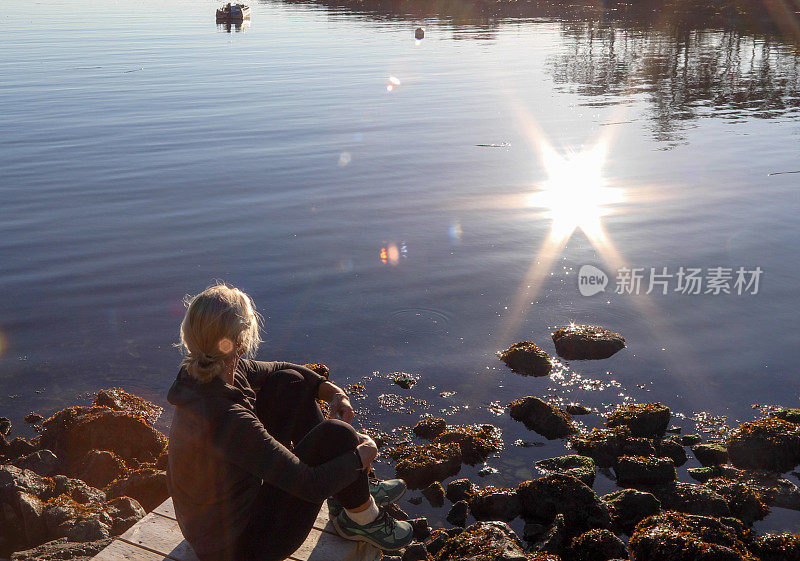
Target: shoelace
[387,522]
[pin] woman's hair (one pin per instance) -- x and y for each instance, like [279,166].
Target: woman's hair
[219,322]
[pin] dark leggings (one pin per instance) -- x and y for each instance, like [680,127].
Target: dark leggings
[280,522]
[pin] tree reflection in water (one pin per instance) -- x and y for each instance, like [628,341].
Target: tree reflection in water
[729,58]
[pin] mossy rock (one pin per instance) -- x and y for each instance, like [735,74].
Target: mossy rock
[712,454]
[690,439]
[671,447]
[527,358]
[649,420]
[542,417]
[791,415]
[493,503]
[604,446]
[430,427]
[581,467]
[477,442]
[743,500]
[424,464]
[628,507]
[777,547]
[769,443]
[587,342]
[644,470]
[690,498]
[597,545]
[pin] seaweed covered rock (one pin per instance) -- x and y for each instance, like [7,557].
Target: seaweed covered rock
[768,443]
[638,447]
[65,517]
[771,488]
[459,490]
[101,467]
[642,470]
[711,454]
[777,547]
[597,545]
[77,490]
[691,499]
[587,342]
[542,417]
[527,358]
[604,446]
[14,479]
[120,400]
[476,442]
[493,503]
[435,494]
[791,415]
[552,539]
[457,515]
[485,541]
[421,465]
[146,485]
[74,431]
[430,427]
[580,467]
[43,462]
[61,549]
[649,420]
[673,536]
[545,497]
[743,501]
[628,507]
[671,447]
[124,513]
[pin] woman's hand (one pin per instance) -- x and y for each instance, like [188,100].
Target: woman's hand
[341,407]
[367,450]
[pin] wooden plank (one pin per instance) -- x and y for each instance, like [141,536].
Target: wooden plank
[123,551]
[166,509]
[161,535]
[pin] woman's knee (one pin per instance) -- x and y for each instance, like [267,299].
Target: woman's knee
[326,441]
[339,431]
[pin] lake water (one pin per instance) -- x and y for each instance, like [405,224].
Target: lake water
[401,205]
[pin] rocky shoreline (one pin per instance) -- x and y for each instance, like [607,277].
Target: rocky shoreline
[94,471]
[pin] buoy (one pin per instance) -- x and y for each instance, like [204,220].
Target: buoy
[419,33]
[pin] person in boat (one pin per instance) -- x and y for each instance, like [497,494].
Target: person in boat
[251,458]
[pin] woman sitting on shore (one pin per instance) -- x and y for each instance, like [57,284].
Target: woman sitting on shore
[251,458]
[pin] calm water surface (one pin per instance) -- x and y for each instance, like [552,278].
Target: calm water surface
[147,151]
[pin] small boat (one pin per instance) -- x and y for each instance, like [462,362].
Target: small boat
[232,13]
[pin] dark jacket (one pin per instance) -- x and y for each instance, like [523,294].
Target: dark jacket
[220,453]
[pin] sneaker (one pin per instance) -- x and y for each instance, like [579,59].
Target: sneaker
[384,532]
[384,493]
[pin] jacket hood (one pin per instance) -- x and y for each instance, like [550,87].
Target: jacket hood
[186,389]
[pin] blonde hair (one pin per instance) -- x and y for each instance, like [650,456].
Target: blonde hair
[219,322]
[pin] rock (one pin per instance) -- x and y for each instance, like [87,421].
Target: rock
[77,490]
[64,517]
[421,529]
[641,470]
[628,507]
[73,432]
[487,470]
[527,358]
[424,464]
[711,454]
[394,510]
[542,417]
[101,467]
[319,368]
[88,531]
[33,418]
[436,541]
[435,494]
[772,489]
[492,503]
[671,447]
[415,500]
[459,490]
[476,442]
[777,547]
[148,486]
[691,499]
[14,479]
[587,342]
[120,400]
[19,447]
[674,429]
[548,496]
[553,539]
[690,439]
[743,501]
[577,409]
[22,519]
[638,447]
[648,420]
[43,462]
[405,381]
[430,427]
[791,415]
[604,446]
[768,443]
[673,536]
[581,467]
[61,549]
[124,513]
[415,552]
[533,532]
[598,545]
[484,540]
[5,426]
[458,514]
